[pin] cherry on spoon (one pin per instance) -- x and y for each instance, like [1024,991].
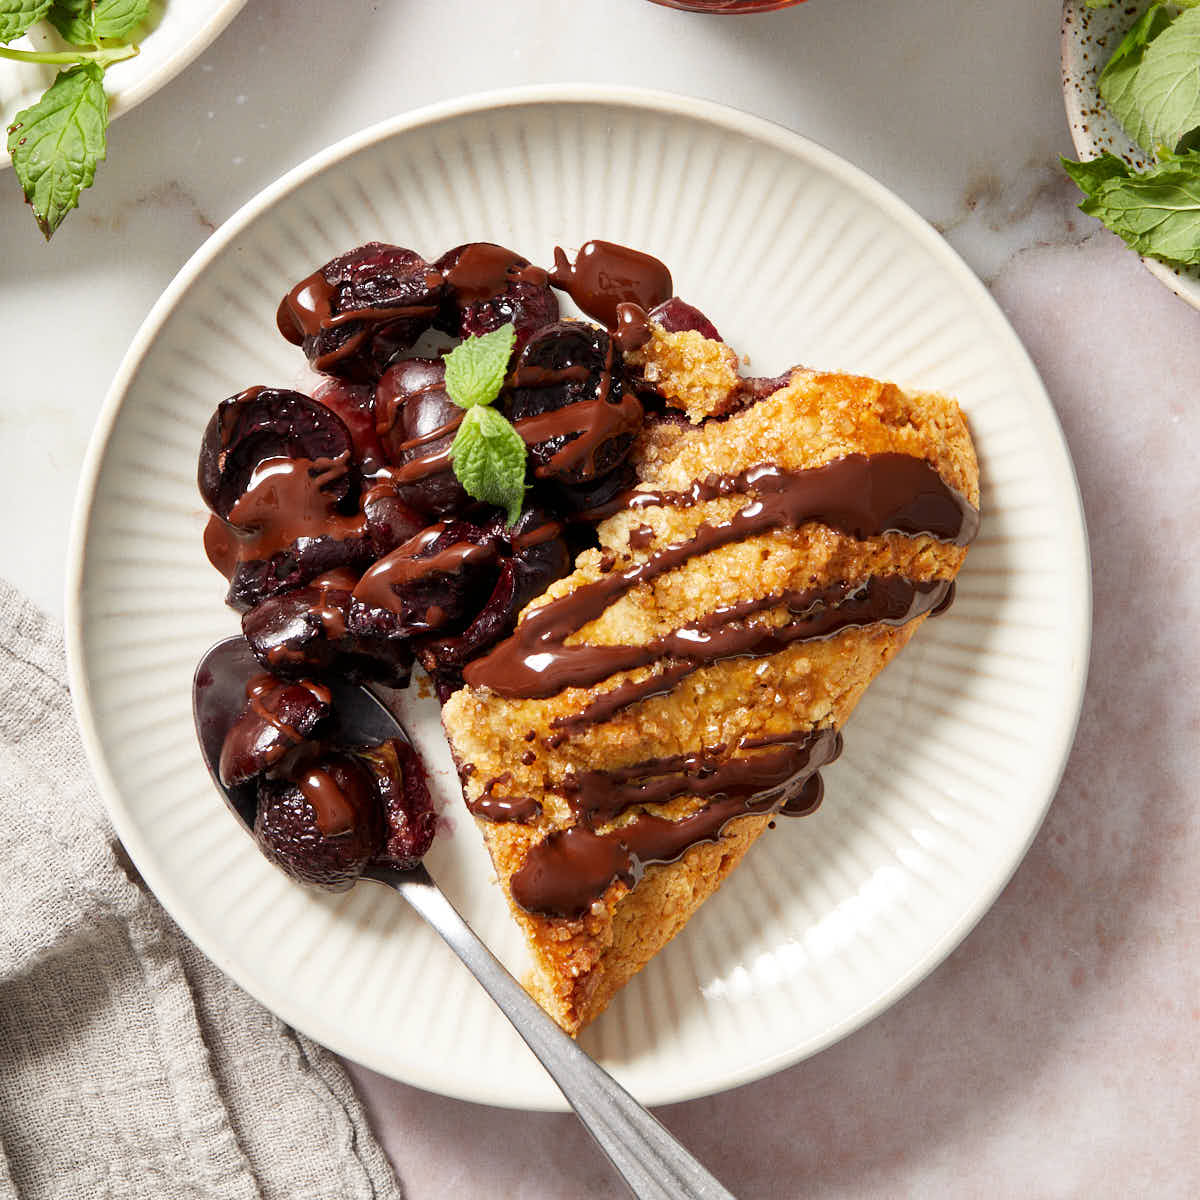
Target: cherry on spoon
[648,1158]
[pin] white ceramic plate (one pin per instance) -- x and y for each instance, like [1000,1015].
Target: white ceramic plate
[1089,37]
[178,30]
[950,762]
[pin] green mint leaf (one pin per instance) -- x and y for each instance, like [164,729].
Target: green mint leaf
[119,18]
[1117,82]
[16,16]
[75,21]
[475,369]
[488,457]
[1088,176]
[86,22]
[56,144]
[1099,3]
[1156,212]
[1143,31]
[1157,99]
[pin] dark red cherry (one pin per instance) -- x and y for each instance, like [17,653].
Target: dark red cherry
[324,824]
[536,555]
[278,717]
[271,423]
[362,310]
[409,818]
[487,286]
[571,403]
[432,583]
[305,632]
[354,404]
[417,421]
[676,316]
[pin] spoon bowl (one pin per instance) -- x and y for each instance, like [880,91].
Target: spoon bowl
[650,1161]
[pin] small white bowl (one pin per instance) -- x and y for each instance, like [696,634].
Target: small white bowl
[178,34]
[1089,36]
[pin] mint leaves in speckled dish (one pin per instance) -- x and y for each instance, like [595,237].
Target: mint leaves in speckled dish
[1151,84]
[56,143]
[487,454]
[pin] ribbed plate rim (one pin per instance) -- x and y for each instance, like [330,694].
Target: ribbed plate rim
[652,102]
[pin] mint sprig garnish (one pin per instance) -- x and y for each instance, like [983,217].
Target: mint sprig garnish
[57,143]
[1151,84]
[487,454]
[86,22]
[16,16]
[1155,212]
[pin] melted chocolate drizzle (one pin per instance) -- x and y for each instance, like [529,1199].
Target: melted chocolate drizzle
[569,870]
[484,270]
[632,330]
[605,275]
[285,500]
[307,310]
[333,810]
[500,809]
[720,635]
[859,495]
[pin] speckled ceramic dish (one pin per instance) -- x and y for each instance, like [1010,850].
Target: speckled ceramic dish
[950,760]
[1089,36]
[178,30]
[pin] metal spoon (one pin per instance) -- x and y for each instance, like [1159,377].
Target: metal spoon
[649,1159]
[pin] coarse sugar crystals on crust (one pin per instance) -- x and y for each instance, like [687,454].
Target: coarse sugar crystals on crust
[535,747]
[696,374]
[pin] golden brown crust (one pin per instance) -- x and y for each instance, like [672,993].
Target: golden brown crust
[580,963]
[689,371]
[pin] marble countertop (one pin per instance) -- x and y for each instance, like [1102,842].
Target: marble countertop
[1053,1054]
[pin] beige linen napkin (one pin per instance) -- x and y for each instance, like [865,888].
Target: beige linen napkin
[129,1066]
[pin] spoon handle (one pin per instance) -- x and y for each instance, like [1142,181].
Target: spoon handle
[649,1159]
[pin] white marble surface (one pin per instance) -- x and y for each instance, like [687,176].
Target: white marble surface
[1053,1055]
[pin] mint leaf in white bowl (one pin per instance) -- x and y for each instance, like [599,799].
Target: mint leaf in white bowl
[173,34]
[1132,74]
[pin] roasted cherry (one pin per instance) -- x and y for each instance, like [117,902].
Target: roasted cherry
[537,556]
[304,632]
[254,580]
[272,423]
[568,395]
[354,403]
[417,421]
[409,819]
[487,286]
[361,310]
[431,583]
[594,500]
[278,717]
[279,472]
[390,522]
[676,316]
[324,824]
